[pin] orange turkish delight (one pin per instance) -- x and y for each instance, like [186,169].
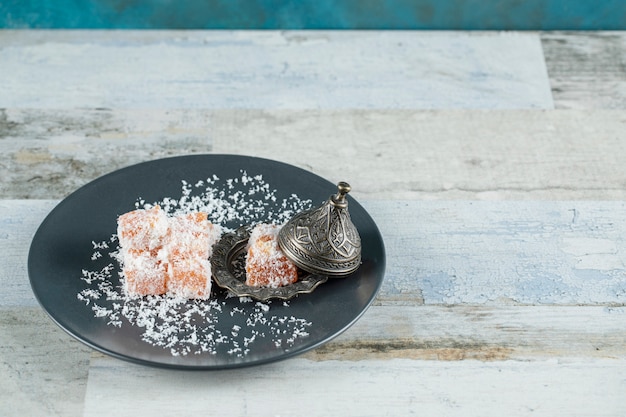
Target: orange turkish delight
[190,235]
[166,255]
[189,278]
[142,230]
[145,275]
[266,264]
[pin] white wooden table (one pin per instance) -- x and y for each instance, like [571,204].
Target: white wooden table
[493,163]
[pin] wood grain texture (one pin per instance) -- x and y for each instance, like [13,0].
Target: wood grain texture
[510,252]
[377,388]
[401,154]
[272,69]
[19,220]
[497,333]
[443,154]
[43,370]
[50,153]
[587,70]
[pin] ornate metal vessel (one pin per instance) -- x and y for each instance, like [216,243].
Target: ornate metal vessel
[228,265]
[323,240]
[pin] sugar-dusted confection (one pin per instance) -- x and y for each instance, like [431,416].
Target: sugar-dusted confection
[142,230]
[190,235]
[188,247]
[266,264]
[145,275]
[140,233]
[166,255]
[189,278]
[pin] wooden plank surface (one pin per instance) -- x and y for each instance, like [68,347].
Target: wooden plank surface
[50,153]
[484,333]
[43,371]
[587,70]
[428,69]
[20,220]
[489,307]
[378,388]
[461,154]
[408,154]
[273,69]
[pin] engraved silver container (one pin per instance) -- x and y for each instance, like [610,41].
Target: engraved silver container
[228,265]
[323,240]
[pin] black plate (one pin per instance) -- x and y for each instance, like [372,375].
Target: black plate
[62,248]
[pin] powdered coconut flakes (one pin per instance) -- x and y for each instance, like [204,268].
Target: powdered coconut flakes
[193,326]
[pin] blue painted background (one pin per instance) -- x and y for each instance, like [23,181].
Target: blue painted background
[315,14]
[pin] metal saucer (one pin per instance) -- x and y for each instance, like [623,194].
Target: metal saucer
[228,269]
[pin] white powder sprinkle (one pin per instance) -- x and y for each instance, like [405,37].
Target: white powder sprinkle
[193,326]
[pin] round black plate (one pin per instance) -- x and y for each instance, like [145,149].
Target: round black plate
[62,248]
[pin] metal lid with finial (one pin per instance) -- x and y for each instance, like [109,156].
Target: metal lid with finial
[323,240]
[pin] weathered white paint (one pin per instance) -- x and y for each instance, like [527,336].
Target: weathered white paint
[19,220]
[595,253]
[271,69]
[489,253]
[452,154]
[373,388]
[400,154]
[50,153]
